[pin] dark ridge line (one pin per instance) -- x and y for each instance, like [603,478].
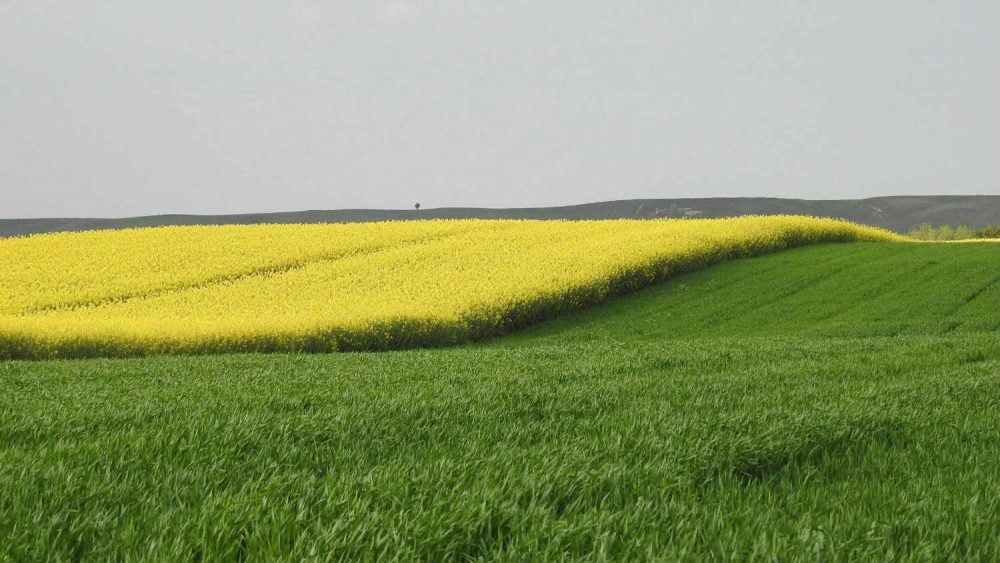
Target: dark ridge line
[899,213]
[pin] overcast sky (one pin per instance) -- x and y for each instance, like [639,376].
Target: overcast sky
[136,107]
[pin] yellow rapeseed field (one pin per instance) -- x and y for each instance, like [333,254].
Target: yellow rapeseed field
[370,286]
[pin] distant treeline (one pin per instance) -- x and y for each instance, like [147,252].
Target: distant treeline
[947,232]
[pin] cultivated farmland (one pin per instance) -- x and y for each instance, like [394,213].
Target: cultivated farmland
[832,401]
[322,288]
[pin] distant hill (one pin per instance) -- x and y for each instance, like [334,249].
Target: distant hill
[898,213]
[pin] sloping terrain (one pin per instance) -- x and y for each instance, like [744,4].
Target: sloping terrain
[897,213]
[832,402]
[374,286]
[862,290]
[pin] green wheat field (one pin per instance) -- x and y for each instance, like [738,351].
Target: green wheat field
[831,402]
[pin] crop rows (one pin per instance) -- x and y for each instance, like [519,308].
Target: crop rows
[349,287]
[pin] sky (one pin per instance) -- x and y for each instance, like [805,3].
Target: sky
[121,108]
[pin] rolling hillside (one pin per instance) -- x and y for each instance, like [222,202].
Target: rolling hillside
[858,290]
[899,213]
[828,402]
[374,286]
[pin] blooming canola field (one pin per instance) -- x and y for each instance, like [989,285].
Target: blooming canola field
[338,287]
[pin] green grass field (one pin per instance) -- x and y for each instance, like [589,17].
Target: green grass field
[830,402]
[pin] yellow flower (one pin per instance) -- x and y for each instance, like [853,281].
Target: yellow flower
[348,287]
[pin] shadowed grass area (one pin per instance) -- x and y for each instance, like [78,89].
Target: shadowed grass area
[833,402]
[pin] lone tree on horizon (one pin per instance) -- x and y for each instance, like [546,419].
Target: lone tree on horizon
[416,206]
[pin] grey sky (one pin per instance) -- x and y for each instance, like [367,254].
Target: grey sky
[134,107]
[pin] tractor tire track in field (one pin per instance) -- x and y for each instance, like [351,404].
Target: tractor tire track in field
[266,271]
[970,298]
[977,292]
[802,284]
[845,310]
